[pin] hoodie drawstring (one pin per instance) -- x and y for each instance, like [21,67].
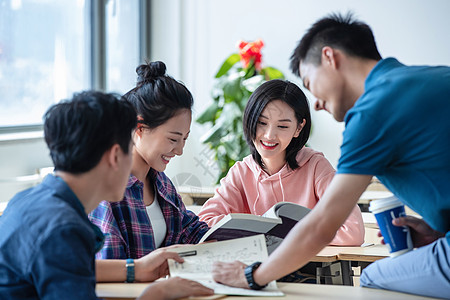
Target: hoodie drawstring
[257,191]
[281,185]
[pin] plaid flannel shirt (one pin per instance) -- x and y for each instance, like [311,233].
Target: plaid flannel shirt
[127,227]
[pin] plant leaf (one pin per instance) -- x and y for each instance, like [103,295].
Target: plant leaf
[213,135]
[231,112]
[228,64]
[222,125]
[272,73]
[233,148]
[232,88]
[209,115]
[222,160]
[253,82]
[250,71]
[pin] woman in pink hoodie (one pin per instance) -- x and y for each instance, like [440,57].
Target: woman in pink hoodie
[277,124]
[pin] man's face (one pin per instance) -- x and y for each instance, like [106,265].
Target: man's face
[327,85]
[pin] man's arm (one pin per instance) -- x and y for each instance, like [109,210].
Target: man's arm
[308,237]
[147,268]
[174,288]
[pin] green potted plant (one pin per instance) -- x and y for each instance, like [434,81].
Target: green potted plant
[240,74]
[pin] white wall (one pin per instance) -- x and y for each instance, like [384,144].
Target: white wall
[193,37]
[414,31]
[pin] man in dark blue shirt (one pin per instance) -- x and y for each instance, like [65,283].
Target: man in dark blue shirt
[396,128]
[47,242]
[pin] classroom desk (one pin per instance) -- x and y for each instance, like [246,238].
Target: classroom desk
[304,291]
[337,262]
[366,254]
[195,195]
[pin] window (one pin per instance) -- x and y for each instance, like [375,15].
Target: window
[122,40]
[43,56]
[50,49]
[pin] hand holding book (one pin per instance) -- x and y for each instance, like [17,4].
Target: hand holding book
[275,224]
[199,260]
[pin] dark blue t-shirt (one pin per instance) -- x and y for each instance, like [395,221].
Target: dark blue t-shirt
[399,130]
[47,245]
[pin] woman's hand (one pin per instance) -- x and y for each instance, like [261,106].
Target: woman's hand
[421,233]
[154,265]
[231,274]
[174,288]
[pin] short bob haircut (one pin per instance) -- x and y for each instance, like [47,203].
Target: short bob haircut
[290,94]
[157,97]
[80,130]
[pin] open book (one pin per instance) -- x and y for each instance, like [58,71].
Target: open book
[199,259]
[274,224]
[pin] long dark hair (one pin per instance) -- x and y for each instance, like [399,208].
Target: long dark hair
[292,95]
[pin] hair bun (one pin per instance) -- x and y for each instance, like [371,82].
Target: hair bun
[150,71]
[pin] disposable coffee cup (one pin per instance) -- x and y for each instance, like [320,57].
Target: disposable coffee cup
[397,238]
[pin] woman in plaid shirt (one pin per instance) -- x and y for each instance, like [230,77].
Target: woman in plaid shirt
[151,214]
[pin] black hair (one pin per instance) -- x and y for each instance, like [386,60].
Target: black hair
[342,32]
[80,130]
[292,95]
[157,97]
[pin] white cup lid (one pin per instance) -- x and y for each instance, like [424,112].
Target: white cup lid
[383,204]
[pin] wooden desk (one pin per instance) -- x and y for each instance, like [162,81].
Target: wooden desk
[330,270]
[292,291]
[337,262]
[366,254]
[195,195]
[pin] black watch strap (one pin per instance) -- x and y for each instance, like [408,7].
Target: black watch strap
[249,276]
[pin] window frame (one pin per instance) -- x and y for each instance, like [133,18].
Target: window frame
[97,59]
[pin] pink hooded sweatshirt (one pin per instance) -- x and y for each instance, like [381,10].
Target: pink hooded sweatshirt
[247,188]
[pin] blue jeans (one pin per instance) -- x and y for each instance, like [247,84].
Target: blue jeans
[424,271]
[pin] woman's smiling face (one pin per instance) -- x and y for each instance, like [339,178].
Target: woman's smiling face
[158,145]
[277,125]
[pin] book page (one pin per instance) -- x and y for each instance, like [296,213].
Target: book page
[272,212]
[290,213]
[290,210]
[199,259]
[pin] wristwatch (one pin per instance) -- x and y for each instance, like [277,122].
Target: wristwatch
[130,270]
[249,276]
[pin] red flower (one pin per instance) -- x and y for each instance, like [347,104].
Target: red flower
[251,51]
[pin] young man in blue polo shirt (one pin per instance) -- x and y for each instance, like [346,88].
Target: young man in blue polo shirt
[397,127]
[47,242]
